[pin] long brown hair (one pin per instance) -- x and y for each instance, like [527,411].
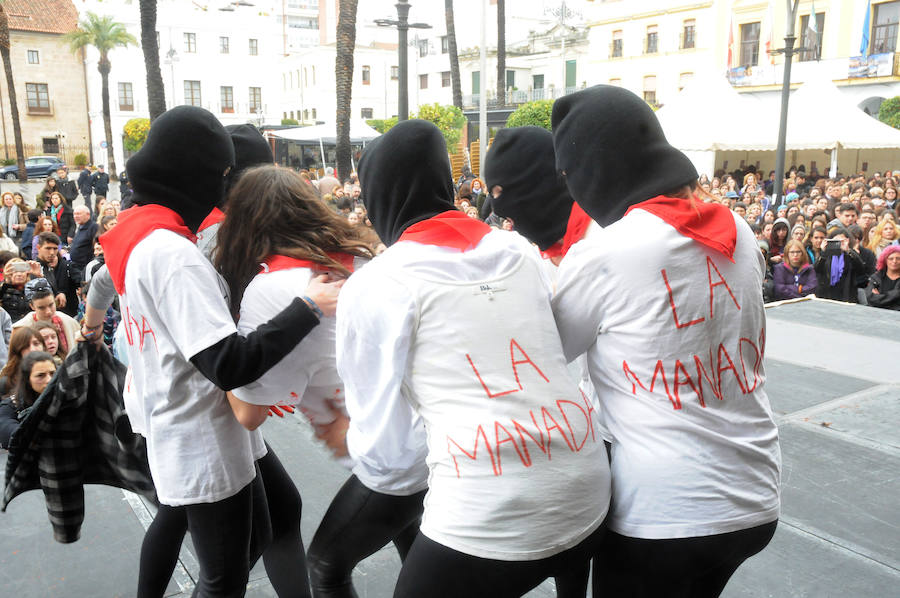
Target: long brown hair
[272,211]
[20,341]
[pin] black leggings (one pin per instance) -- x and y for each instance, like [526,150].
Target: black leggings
[436,571]
[358,523]
[678,568]
[283,557]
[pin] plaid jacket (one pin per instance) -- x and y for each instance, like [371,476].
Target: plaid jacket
[77,433]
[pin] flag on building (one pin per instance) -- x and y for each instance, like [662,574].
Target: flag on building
[770,41]
[812,34]
[731,43]
[864,44]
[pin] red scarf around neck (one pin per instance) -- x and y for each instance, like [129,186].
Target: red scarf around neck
[451,229]
[709,224]
[275,263]
[214,217]
[576,228]
[135,224]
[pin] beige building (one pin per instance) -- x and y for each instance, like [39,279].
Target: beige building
[49,82]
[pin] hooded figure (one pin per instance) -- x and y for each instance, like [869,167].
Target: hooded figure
[612,151]
[407,178]
[250,149]
[776,245]
[522,161]
[182,164]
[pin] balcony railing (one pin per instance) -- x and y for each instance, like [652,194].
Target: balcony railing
[853,67]
[517,97]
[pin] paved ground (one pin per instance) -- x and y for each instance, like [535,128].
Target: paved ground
[833,381]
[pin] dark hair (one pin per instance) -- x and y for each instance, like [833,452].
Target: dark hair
[739,204]
[34,215]
[40,224]
[47,237]
[344,204]
[20,340]
[272,211]
[25,395]
[5,256]
[856,231]
[106,220]
[846,207]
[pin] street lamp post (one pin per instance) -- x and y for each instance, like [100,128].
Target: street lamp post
[171,59]
[403,26]
[788,51]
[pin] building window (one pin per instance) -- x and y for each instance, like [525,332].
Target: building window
[423,81]
[810,40]
[190,43]
[650,89]
[192,93]
[423,47]
[255,100]
[395,73]
[34,57]
[750,44]
[38,97]
[445,44]
[226,99]
[616,82]
[476,83]
[688,34]
[445,79]
[651,45]
[314,114]
[510,79]
[884,31]
[570,75]
[615,49]
[537,81]
[51,145]
[366,113]
[684,79]
[366,75]
[254,47]
[224,45]
[305,115]
[126,97]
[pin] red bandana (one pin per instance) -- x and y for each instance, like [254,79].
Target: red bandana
[214,217]
[709,224]
[274,263]
[134,225]
[448,229]
[577,226]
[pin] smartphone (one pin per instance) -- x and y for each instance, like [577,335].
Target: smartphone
[21,267]
[832,246]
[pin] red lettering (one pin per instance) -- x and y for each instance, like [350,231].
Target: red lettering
[145,330]
[128,320]
[523,431]
[559,404]
[590,410]
[661,371]
[512,358]
[680,371]
[490,395]
[755,370]
[702,375]
[678,324]
[710,266]
[555,425]
[479,434]
[730,366]
[635,381]
[497,442]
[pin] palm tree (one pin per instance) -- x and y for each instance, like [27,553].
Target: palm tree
[11,91]
[104,34]
[501,53]
[454,55]
[343,74]
[156,92]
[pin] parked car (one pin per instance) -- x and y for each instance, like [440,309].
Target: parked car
[36,167]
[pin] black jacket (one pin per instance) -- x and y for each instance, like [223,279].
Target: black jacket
[26,239]
[77,433]
[81,250]
[884,299]
[14,302]
[84,182]
[64,219]
[68,189]
[100,183]
[9,421]
[63,280]
[846,287]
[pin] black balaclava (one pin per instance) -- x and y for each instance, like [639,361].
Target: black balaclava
[613,153]
[250,149]
[182,164]
[521,160]
[405,176]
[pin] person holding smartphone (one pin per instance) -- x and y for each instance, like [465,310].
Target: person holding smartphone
[837,268]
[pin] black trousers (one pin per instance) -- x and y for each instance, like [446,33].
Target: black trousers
[436,571]
[281,547]
[678,568]
[358,523]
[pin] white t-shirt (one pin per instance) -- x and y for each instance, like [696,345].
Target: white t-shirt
[674,334]
[517,469]
[172,310]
